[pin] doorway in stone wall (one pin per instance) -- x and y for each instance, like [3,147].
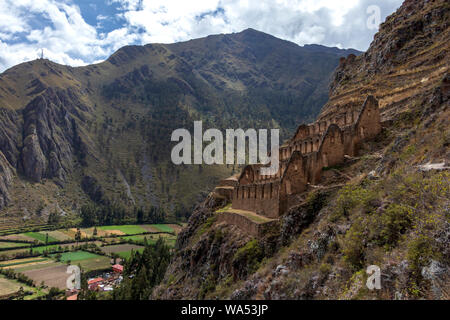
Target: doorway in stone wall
[325,159]
[288,187]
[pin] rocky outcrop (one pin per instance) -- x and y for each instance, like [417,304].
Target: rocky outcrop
[9,153]
[10,135]
[49,134]
[407,60]
[33,160]
[6,176]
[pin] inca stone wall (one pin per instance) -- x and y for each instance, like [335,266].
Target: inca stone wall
[321,144]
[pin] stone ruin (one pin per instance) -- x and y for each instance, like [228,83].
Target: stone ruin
[260,199]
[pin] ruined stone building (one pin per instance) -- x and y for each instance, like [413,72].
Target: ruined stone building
[315,146]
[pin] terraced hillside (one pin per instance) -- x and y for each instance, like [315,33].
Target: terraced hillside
[408,58]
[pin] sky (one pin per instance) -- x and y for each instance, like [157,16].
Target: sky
[80,32]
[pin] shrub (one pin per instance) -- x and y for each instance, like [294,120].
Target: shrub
[420,251]
[353,245]
[325,268]
[349,198]
[395,221]
[247,259]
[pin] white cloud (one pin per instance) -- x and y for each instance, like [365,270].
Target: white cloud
[67,38]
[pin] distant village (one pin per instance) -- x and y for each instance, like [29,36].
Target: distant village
[106,282]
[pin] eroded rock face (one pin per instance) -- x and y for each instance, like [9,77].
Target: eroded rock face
[10,134]
[49,136]
[408,54]
[9,153]
[33,160]
[6,176]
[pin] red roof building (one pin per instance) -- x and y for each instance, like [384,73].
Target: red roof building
[94,283]
[73,297]
[117,268]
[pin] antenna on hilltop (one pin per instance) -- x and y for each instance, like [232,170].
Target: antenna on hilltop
[42,54]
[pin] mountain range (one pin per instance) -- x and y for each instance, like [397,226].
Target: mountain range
[100,134]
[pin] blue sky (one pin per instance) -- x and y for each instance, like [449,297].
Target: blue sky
[79,32]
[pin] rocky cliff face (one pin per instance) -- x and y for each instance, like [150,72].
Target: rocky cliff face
[50,133]
[386,208]
[406,60]
[6,176]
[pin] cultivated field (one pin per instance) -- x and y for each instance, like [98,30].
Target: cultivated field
[53,275]
[8,286]
[4,245]
[47,263]
[125,229]
[40,236]
[123,250]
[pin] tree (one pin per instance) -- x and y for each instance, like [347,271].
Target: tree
[95,231]
[85,293]
[78,235]
[147,268]
[20,294]
[53,217]
[53,293]
[140,215]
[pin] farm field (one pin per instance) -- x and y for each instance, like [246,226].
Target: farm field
[15,237]
[163,228]
[49,248]
[176,228]
[88,261]
[96,263]
[9,286]
[127,254]
[53,275]
[4,245]
[76,256]
[49,267]
[10,254]
[151,238]
[21,262]
[124,229]
[58,235]
[121,248]
[35,266]
[40,236]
